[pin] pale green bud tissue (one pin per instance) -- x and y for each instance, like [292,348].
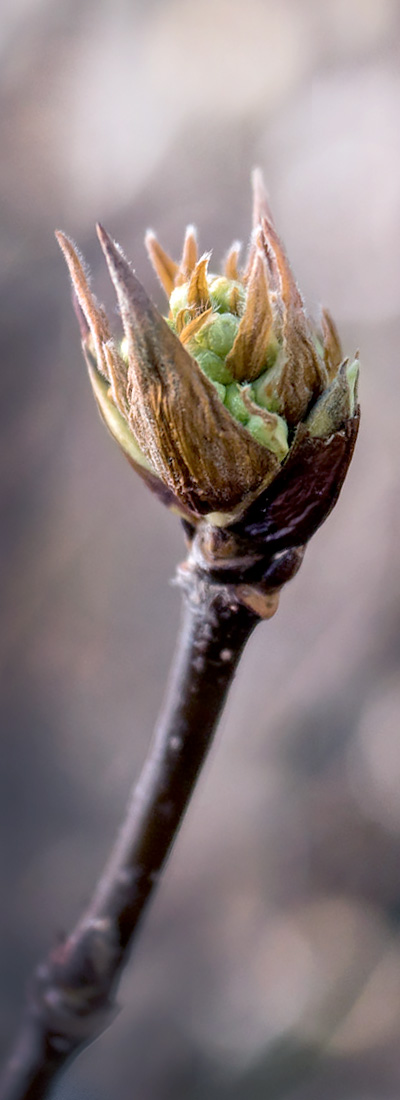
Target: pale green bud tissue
[221,390]
[214,367]
[219,334]
[178,299]
[234,402]
[274,436]
[227,295]
[336,404]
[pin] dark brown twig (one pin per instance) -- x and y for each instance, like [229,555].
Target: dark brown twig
[71,999]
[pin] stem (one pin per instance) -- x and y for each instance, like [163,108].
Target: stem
[72,996]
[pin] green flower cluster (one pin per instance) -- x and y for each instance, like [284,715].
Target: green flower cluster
[211,345]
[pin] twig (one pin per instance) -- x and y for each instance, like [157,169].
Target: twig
[71,999]
[271,492]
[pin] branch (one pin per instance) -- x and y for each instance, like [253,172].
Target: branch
[71,999]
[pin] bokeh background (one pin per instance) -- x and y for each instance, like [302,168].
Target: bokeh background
[269,964]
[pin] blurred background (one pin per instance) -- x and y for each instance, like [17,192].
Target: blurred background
[269,964]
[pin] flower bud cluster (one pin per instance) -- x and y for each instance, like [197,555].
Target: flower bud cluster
[235,408]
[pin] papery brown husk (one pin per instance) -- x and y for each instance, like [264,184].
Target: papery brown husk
[303,494]
[266,545]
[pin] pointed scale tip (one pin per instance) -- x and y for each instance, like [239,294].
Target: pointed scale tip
[141,320]
[198,291]
[231,261]
[164,266]
[191,231]
[118,266]
[257,178]
[261,207]
[116,261]
[92,312]
[75,261]
[104,237]
[189,256]
[67,246]
[76,265]
[67,250]
[205,257]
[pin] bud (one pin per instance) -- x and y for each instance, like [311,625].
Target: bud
[235,408]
